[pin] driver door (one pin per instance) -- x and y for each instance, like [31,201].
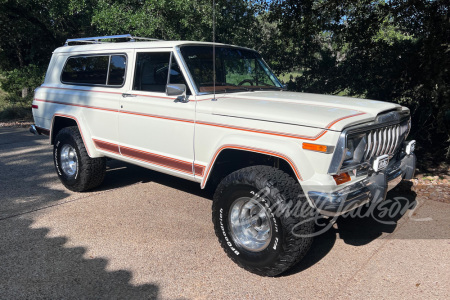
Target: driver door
[155,130]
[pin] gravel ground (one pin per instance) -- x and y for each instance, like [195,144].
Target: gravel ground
[143,235]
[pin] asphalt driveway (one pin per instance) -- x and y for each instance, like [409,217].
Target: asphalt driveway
[146,235]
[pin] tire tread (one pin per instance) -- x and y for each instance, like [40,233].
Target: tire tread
[281,185]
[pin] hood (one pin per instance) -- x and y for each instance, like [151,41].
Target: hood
[313,110]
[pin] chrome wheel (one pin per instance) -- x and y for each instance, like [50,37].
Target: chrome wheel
[68,160]
[250,224]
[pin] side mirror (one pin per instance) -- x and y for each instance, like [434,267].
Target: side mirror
[174,89]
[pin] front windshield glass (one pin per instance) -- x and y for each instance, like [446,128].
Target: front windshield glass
[237,69]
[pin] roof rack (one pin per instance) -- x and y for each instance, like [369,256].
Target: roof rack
[98,39]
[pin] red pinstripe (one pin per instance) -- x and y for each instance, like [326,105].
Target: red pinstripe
[257,150]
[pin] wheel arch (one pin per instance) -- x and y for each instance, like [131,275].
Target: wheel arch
[235,153]
[60,121]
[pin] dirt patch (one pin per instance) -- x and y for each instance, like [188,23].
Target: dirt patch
[16,124]
[432,188]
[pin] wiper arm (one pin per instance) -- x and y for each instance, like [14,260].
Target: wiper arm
[234,90]
[268,88]
[239,89]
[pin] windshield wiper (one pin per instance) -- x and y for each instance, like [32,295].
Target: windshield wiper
[267,88]
[238,89]
[234,90]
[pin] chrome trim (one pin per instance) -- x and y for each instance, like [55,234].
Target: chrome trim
[109,67]
[97,39]
[394,182]
[376,143]
[361,192]
[339,154]
[33,130]
[187,74]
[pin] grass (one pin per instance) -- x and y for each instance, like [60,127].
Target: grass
[288,76]
[14,110]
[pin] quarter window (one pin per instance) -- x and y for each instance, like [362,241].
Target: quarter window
[95,70]
[117,66]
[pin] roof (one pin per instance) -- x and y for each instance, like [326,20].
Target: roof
[133,45]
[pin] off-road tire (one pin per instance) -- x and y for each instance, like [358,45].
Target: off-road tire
[90,172]
[292,233]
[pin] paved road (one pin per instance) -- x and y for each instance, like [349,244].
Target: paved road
[145,235]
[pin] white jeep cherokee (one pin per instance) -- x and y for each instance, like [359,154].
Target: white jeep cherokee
[226,123]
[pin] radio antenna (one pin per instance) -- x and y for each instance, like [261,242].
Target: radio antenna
[214,50]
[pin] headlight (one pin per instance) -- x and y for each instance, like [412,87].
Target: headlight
[354,150]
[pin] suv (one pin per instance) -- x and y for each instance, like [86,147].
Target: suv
[217,115]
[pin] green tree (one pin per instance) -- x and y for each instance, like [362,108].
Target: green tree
[385,50]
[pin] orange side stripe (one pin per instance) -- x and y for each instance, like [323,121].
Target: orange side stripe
[275,133]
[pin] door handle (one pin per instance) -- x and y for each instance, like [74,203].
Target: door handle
[125,95]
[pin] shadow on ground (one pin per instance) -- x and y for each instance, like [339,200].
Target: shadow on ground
[34,265]
[357,229]
[370,222]
[37,266]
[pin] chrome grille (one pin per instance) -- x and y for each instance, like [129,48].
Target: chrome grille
[383,141]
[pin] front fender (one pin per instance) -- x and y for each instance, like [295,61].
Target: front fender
[288,150]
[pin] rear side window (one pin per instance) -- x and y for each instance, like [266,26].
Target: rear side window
[95,70]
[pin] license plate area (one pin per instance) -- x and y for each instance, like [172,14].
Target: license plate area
[380,163]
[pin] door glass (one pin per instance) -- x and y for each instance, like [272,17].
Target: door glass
[151,72]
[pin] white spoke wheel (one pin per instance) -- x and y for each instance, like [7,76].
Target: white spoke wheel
[249,228]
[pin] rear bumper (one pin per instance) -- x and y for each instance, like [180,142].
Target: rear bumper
[38,130]
[371,189]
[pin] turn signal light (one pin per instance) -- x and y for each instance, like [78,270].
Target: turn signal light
[342,178]
[316,147]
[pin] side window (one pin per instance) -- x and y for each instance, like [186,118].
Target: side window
[152,70]
[93,70]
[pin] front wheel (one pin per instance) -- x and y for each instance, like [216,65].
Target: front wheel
[256,215]
[76,170]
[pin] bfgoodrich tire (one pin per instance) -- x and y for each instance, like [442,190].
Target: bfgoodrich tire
[253,220]
[76,170]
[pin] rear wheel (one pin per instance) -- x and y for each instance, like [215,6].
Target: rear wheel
[76,170]
[253,219]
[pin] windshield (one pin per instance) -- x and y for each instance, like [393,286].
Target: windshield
[237,69]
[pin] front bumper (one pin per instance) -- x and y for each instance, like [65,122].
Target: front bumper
[372,189]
